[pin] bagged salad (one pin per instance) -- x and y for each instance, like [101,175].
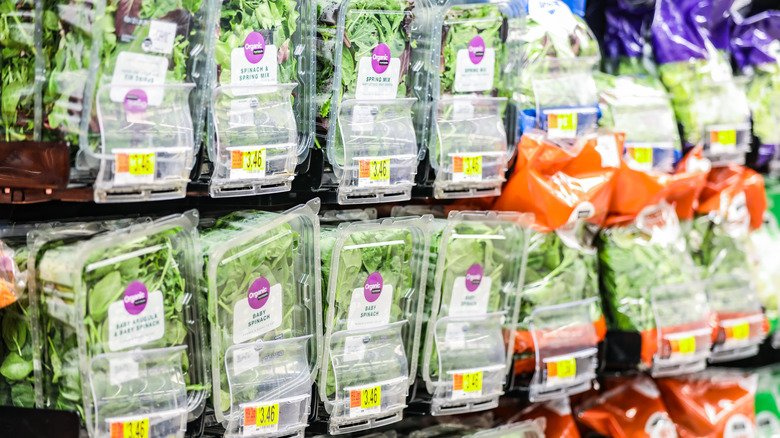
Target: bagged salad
[627,39]
[473,53]
[557,415]
[475,272]
[114,308]
[567,189]
[263,285]
[147,118]
[556,90]
[16,353]
[766,269]
[17,58]
[651,285]
[262,108]
[363,96]
[373,275]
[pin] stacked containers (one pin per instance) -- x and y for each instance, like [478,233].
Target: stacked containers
[116,324]
[374,279]
[464,95]
[263,287]
[261,112]
[475,274]
[364,120]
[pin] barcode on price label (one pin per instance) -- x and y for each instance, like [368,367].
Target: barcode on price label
[261,419]
[247,163]
[374,173]
[466,168]
[562,125]
[561,371]
[134,168]
[365,401]
[130,429]
[467,385]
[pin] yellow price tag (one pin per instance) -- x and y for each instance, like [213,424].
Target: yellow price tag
[472,166]
[380,170]
[370,397]
[142,164]
[727,138]
[131,429]
[562,122]
[685,345]
[268,415]
[472,382]
[253,161]
[562,369]
[740,331]
[643,155]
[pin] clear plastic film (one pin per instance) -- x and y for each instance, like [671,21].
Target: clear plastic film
[742,325]
[525,429]
[373,276]
[139,393]
[263,280]
[766,268]
[148,142]
[11,282]
[565,345]
[20,116]
[476,269]
[721,111]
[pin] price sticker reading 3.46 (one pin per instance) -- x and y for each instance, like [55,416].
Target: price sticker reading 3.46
[134,168]
[365,401]
[562,125]
[247,163]
[467,385]
[130,429]
[466,168]
[261,419]
[374,173]
[561,371]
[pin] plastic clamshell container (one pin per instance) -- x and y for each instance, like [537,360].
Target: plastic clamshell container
[565,344]
[524,429]
[682,321]
[652,137]
[263,280]
[256,140]
[148,142]
[566,96]
[114,290]
[465,359]
[721,110]
[466,135]
[372,329]
[139,393]
[742,325]
[367,129]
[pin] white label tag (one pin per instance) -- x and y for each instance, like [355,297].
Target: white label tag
[126,330]
[373,85]
[606,145]
[162,35]
[136,70]
[471,77]
[243,72]
[249,323]
[248,162]
[355,348]
[767,424]
[134,166]
[552,14]
[363,117]
[365,314]
[122,370]
[739,426]
[242,112]
[374,173]
[245,359]
[455,334]
[465,303]
[467,168]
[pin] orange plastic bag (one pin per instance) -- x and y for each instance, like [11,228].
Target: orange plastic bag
[631,408]
[711,404]
[725,183]
[558,418]
[638,189]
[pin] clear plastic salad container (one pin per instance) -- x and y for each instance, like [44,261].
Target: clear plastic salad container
[742,325]
[20,116]
[262,274]
[149,110]
[466,136]
[373,283]
[262,108]
[475,274]
[721,110]
[524,429]
[115,308]
[364,108]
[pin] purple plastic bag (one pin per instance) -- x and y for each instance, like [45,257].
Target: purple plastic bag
[626,24]
[681,27]
[752,39]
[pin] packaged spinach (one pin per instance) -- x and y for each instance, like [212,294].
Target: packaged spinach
[373,275]
[473,45]
[262,104]
[262,275]
[16,355]
[148,114]
[644,113]
[18,49]
[474,276]
[364,121]
[766,269]
[651,285]
[116,324]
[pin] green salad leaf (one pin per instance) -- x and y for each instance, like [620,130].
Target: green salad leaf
[17,67]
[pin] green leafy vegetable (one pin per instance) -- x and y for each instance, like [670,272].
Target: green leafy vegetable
[763,96]
[16,358]
[17,66]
